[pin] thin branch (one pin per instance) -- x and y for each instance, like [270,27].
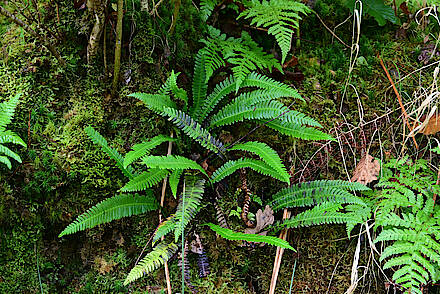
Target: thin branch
[28,29]
[405,114]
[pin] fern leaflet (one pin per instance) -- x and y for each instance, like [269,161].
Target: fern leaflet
[231,235]
[267,154]
[142,149]
[281,17]
[145,180]
[193,129]
[102,142]
[257,165]
[172,162]
[160,254]
[111,209]
[155,102]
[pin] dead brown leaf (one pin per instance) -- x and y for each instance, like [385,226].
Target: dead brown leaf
[263,218]
[433,125]
[367,170]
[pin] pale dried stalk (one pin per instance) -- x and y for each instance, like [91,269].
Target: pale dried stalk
[162,200]
[278,256]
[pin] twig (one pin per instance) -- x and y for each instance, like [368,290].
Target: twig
[405,114]
[278,256]
[162,200]
[330,31]
[28,29]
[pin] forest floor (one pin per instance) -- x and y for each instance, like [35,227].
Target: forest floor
[63,173]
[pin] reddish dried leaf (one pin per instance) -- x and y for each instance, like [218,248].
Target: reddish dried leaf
[433,125]
[367,170]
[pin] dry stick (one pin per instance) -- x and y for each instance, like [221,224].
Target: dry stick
[117,66]
[162,199]
[330,31]
[28,29]
[278,256]
[405,115]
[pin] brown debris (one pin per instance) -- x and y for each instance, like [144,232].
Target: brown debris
[263,219]
[433,125]
[367,170]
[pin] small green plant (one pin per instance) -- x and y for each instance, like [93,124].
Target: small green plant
[410,223]
[7,110]
[280,18]
[332,203]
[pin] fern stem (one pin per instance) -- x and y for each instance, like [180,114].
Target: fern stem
[278,256]
[162,199]
[183,238]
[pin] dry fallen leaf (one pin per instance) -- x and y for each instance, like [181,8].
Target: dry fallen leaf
[367,170]
[263,218]
[433,125]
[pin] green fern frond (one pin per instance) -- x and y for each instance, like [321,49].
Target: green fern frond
[164,228]
[264,82]
[145,180]
[325,213]
[199,84]
[267,154]
[257,165]
[102,142]
[263,110]
[174,181]
[194,130]
[231,235]
[297,131]
[243,53]
[281,17]
[7,110]
[111,209]
[317,192]
[142,149]
[206,8]
[192,198]
[11,137]
[8,152]
[172,162]
[6,161]
[155,102]
[179,93]
[220,91]
[153,260]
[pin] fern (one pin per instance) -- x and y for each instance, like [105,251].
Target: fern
[243,53]
[145,180]
[297,131]
[257,165]
[155,102]
[102,142]
[281,17]
[263,110]
[194,130]
[160,254]
[189,204]
[194,189]
[174,181]
[111,209]
[328,199]
[231,235]
[267,154]
[7,110]
[317,192]
[172,162]
[199,84]
[142,149]
[327,213]
[206,8]
[410,223]
[274,89]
